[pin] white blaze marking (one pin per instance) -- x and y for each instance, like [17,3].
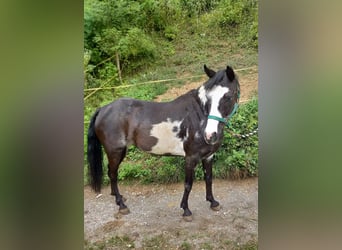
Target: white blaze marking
[168,142]
[215,94]
[202,95]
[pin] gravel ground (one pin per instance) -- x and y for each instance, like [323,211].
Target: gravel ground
[155,220]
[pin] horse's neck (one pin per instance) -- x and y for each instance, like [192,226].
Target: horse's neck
[192,98]
[189,96]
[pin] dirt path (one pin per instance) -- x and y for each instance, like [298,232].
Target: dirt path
[155,221]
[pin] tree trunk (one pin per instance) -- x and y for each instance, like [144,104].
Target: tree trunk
[118,66]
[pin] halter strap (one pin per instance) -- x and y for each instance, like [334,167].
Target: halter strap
[224,120]
[220,119]
[236,105]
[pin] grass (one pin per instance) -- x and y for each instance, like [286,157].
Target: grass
[250,245]
[156,242]
[163,242]
[185,246]
[115,242]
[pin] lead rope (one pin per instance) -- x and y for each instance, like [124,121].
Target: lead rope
[226,122]
[244,136]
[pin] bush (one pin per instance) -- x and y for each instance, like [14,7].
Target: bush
[197,7]
[136,49]
[133,171]
[147,32]
[238,157]
[239,18]
[171,32]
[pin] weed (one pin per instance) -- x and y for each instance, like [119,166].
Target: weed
[156,242]
[206,246]
[185,246]
[250,245]
[115,242]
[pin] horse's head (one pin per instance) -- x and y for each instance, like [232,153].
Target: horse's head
[220,97]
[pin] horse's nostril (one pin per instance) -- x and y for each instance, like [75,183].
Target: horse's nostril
[211,136]
[214,136]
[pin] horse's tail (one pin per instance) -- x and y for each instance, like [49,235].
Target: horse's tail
[95,157]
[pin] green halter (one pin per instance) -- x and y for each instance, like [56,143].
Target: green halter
[226,120]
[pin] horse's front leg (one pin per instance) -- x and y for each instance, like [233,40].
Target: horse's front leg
[190,165]
[207,168]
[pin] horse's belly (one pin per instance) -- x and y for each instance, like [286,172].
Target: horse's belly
[168,143]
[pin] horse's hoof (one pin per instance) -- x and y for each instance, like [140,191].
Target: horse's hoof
[187,218]
[124,211]
[216,208]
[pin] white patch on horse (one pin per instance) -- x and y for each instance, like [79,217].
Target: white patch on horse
[202,95]
[215,95]
[210,157]
[168,142]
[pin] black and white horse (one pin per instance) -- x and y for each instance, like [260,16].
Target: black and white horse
[190,126]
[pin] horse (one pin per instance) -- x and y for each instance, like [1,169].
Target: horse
[191,126]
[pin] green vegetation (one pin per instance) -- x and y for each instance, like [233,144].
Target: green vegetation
[162,241]
[156,242]
[134,37]
[238,157]
[132,42]
[115,242]
[185,246]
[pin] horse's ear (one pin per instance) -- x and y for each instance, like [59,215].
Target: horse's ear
[230,73]
[210,73]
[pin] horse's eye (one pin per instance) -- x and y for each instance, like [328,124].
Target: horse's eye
[227,97]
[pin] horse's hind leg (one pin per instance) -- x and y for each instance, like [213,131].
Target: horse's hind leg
[207,168]
[115,158]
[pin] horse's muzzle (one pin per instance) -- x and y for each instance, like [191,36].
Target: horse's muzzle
[210,138]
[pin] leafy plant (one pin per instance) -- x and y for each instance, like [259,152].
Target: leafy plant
[133,171]
[197,7]
[136,49]
[239,18]
[238,157]
[171,32]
